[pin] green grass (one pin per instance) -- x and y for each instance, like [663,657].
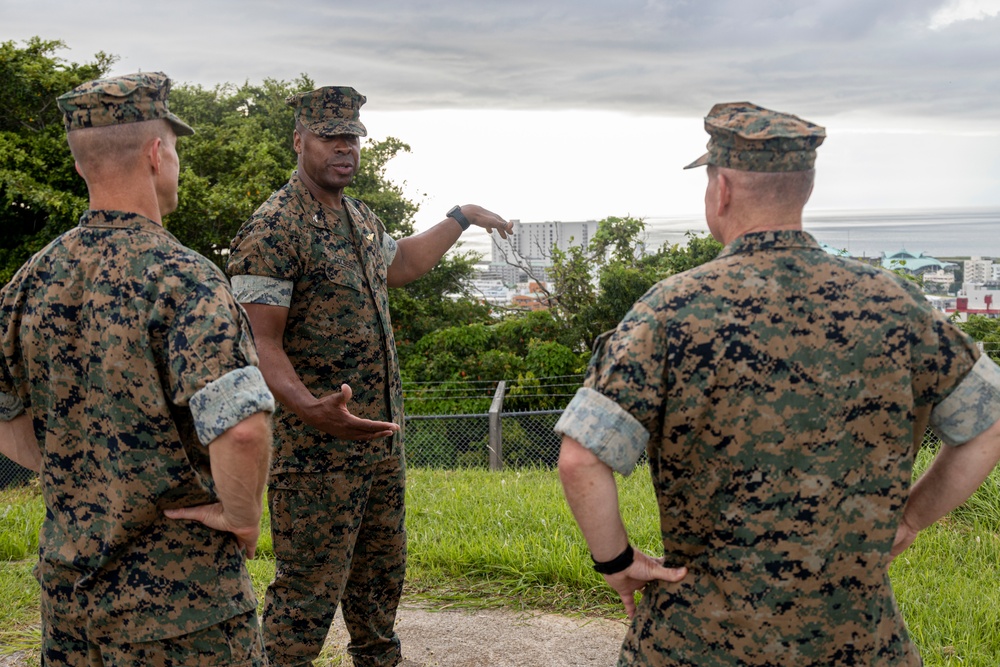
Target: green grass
[21,515]
[508,539]
[482,539]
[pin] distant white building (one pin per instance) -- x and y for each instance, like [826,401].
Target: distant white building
[996,272]
[534,240]
[978,270]
[493,292]
[531,244]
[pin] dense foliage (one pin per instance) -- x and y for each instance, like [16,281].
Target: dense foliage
[985,330]
[595,286]
[41,195]
[241,151]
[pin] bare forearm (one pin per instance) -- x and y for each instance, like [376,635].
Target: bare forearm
[952,478]
[592,495]
[240,460]
[18,442]
[418,254]
[282,380]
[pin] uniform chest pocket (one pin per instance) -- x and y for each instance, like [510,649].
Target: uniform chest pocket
[334,262]
[345,273]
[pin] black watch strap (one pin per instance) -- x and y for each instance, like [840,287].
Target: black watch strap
[456,214]
[616,564]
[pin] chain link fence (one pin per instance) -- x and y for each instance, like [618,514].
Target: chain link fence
[12,474]
[524,439]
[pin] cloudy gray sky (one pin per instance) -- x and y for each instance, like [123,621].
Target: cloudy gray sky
[564,110]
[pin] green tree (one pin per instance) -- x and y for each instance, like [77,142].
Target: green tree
[594,287]
[618,240]
[464,364]
[985,330]
[41,195]
[382,196]
[677,258]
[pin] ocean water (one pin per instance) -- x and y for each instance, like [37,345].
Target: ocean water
[942,233]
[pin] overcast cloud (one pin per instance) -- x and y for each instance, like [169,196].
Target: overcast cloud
[908,89]
[646,56]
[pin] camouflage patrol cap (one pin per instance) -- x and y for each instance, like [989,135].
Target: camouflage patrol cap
[747,137]
[330,110]
[131,98]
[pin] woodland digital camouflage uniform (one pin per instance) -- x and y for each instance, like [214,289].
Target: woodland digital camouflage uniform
[785,392]
[781,394]
[331,275]
[330,271]
[131,354]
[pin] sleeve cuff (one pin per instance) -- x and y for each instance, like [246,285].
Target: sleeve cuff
[222,404]
[10,407]
[605,428]
[972,407]
[389,247]
[262,290]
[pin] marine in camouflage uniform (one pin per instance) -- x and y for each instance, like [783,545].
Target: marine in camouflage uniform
[781,394]
[312,268]
[127,364]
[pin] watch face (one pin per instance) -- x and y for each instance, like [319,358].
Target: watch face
[456,214]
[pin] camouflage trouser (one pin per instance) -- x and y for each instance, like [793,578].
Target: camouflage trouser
[235,642]
[339,537]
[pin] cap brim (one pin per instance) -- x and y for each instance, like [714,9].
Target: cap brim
[327,129]
[700,162]
[181,129]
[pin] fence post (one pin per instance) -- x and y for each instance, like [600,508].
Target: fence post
[496,432]
[981,345]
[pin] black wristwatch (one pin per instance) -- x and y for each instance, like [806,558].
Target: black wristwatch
[456,214]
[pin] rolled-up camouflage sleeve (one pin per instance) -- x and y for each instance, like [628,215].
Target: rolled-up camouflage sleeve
[265,247]
[599,424]
[389,248]
[222,404]
[972,407]
[10,403]
[620,405]
[262,290]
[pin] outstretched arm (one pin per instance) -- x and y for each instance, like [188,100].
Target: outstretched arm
[328,413]
[951,479]
[418,254]
[592,495]
[18,442]
[240,459]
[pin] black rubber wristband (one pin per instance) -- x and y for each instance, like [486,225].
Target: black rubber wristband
[616,564]
[456,214]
